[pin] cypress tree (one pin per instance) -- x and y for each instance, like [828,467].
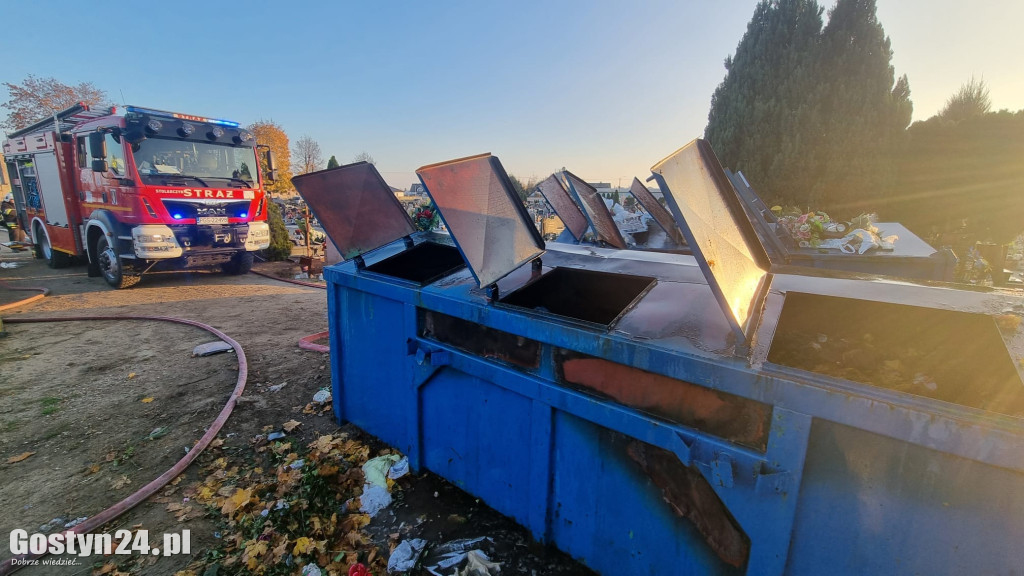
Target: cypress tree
[333,162]
[760,110]
[863,112]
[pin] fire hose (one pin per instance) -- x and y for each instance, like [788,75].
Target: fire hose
[95,522]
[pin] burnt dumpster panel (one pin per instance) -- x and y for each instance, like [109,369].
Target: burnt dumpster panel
[488,223]
[555,193]
[360,214]
[661,215]
[596,211]
[677,423]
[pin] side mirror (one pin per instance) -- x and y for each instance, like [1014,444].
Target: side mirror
[271,169]
[99,165]
[97,147]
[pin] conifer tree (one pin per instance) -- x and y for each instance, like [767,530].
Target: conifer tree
[759,111]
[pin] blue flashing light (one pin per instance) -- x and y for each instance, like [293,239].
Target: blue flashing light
[180,116]
[177,216]
[243,215]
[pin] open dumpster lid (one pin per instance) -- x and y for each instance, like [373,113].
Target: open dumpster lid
[596,211]
[482,211]
[556,195]
[356,208]
[718,231]
[661,215]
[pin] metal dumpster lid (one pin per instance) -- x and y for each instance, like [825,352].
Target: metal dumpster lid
[482,211]
[594,208]
[662,216]
[356,208]
[718,231]
[555,193]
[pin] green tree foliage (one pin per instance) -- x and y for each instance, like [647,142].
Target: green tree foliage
[280,245]
[970,101]
[812,115]
[965,177]
[37,98]
[332,163]
[863,111]
[615,198]
[762,110]
[521,188]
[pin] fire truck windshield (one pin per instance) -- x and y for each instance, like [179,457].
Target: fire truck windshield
[160,160]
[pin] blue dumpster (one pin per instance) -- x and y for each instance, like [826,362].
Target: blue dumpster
[655,413]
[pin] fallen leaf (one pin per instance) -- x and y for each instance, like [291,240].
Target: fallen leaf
[19,457]
[131,375]
[239,500]
[121,483]
[302,545]
[92,469]
[291,425]
[147,400]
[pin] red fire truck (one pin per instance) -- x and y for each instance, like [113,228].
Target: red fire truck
[133,190]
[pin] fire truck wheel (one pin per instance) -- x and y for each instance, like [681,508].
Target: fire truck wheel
[54,258]
[241,263]
[110,266]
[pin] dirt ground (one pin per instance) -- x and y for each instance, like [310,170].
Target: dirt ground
[90,411]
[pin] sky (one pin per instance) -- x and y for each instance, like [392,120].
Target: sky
[603,88]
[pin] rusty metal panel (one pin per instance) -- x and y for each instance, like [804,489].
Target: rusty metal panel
[661,215]
[596,211]
[488,222]
[717,229]
[355,206]
[556,195]
[690,496]
[728,416]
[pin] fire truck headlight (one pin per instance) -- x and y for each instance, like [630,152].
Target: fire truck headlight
[154,126]
[258,237]
[155,241]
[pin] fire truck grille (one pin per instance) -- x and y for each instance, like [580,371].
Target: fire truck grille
[184,210]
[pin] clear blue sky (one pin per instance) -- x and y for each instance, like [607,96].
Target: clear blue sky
[603,88]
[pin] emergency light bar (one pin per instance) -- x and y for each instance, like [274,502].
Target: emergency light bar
[180,116]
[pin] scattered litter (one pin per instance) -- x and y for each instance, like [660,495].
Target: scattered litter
[311,570]
[376,470]
[275,435]
[9,264]
[399,469]
[453,553]
[158,433]
[477,564]
[281,505]
[277,387]
[374,499]
[55,523]
[322,396]
[76,522]
[297,464]
[405,555]
[264,513]
[211,348]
